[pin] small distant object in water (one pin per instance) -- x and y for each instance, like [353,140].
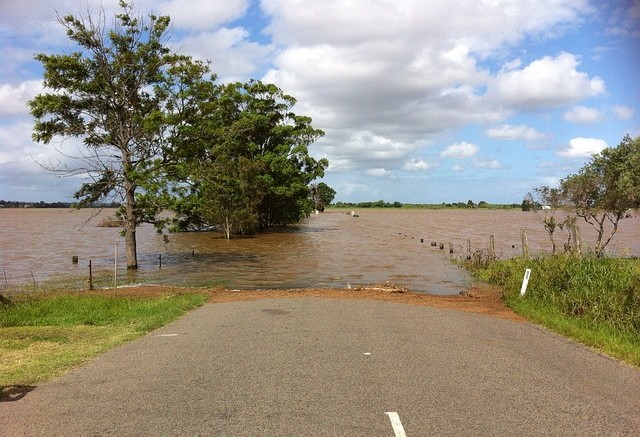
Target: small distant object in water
[353,214]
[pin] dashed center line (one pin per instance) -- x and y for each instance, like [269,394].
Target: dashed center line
[398,430]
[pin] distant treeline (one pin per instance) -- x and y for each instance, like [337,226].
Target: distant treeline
[41,204]
[376,204]
[383,204]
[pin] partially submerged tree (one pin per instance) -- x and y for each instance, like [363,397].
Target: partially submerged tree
[229,195]
[111,93]
[551,198]
[322,195]
[244,163]
[282,139]
[528,203]
[604,191]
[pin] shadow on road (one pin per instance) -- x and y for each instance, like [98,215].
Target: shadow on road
[12,393]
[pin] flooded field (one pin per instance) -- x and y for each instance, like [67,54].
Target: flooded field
[332,249]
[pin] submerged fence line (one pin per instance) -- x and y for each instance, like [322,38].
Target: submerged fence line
[86,273]
[488,252]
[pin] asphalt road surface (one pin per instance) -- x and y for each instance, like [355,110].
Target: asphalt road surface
[329,367]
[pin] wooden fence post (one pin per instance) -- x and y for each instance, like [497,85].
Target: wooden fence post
[577,239]
[525,244]
[115,269]
[90,276]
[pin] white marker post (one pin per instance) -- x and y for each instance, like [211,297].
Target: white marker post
[525,282]
[115,269]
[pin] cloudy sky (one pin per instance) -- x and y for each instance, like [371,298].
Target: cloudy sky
[422,101]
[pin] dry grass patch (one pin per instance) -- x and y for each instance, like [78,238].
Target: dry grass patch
[37,353]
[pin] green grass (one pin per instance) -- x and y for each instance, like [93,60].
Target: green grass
[595,301]
[615,342]
[43,337]
[39,353]
[96,310]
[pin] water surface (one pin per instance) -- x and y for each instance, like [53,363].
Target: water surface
[332,249]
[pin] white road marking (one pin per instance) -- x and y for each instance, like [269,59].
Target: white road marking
[398,430]
[167,335]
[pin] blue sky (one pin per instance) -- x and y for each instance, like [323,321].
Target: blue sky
[422,101]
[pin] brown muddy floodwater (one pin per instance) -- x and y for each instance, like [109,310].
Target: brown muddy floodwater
[332,249]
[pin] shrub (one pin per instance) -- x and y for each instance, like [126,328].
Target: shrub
[603,290]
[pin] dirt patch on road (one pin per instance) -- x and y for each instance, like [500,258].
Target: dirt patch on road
[481,299]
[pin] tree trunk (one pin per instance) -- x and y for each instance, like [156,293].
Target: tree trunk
[600,229]
[614,222]
[131,250]
[130,218]
[227,228]
[130,232]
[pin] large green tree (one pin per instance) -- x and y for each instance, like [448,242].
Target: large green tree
[604,191]
[245,163]
[111,93]
[282,139]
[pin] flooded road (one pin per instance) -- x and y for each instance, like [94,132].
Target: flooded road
[332,249]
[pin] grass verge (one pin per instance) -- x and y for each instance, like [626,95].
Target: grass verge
[591,300]
[42,337]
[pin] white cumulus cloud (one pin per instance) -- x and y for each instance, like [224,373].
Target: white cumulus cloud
[546,82]
[488,164]
[582,148]
[13,99]
[201,14]
[461,150]
[380,172]
[519,132]
[400,70]
[418,164]
[582,115]
[233,56]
